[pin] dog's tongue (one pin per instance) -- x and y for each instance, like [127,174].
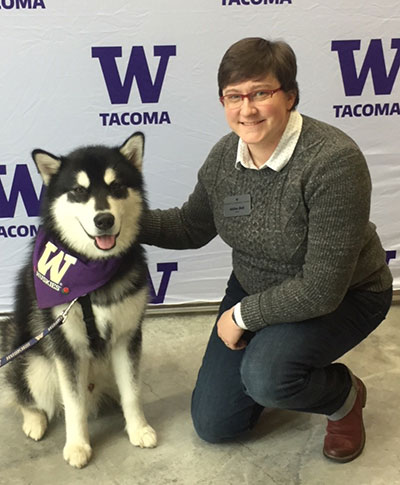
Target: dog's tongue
[105,242]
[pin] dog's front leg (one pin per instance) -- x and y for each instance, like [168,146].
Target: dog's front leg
[73,385]
[125,360]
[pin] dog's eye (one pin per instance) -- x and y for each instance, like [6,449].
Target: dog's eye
[79,190]
[117,189]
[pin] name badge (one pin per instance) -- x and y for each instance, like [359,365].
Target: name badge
[237,205]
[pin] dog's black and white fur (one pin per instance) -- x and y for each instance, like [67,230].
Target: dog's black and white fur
[66,367]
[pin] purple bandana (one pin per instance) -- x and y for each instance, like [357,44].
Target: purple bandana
[60,277]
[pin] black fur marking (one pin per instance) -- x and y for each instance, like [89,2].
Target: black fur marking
[135,344]
[15,371]
[78,194]
[118,190]
[15,375]
[135,349]
[108,332]
[97,344]
[62,348]
[101,202]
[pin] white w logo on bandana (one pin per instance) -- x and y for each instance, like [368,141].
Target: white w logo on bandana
[60,277]
[54,264]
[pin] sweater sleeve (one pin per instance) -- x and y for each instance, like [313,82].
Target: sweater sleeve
[189,227]
[337,196]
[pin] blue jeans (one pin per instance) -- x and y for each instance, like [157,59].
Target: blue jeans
[286,366]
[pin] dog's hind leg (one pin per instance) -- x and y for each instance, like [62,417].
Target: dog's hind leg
[35,422]
[73,385]
[125,360]
[22,388]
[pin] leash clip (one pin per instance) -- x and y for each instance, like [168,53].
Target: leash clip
[64,314]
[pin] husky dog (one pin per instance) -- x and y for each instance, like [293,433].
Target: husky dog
[90,220]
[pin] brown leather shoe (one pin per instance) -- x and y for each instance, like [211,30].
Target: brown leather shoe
[345,438]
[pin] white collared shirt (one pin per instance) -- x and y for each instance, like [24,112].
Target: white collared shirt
[282,153]
[279,158]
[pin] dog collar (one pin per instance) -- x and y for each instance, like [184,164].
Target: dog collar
[60,276]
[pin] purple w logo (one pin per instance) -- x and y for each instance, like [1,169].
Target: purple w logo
[137,68]
[22,185]
[374,61]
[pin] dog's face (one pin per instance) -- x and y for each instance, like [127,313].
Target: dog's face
[94,196]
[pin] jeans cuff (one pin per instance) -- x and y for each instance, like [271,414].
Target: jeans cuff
[348,404]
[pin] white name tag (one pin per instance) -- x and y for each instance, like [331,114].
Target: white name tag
[237,205]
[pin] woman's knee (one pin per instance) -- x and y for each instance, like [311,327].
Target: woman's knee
[208,429]
[216,424]
[206,419]
[273,384]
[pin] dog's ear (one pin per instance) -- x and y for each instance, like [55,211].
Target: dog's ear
[46,163]
[133,149]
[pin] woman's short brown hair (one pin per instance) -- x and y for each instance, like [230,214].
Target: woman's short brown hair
[254,58]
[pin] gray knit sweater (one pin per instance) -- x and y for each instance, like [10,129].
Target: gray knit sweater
[307,240]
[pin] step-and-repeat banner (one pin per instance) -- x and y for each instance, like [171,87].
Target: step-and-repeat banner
[85,72]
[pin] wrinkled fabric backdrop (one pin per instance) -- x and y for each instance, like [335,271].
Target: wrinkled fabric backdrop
[76,73]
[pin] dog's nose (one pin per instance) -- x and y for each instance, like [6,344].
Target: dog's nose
[104,221]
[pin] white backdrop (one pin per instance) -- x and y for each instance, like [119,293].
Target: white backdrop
[75,73]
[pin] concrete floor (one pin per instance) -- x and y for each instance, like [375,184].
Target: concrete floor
[284,449]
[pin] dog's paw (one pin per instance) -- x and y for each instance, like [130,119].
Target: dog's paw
[77,455]
[145,437]
[35,424]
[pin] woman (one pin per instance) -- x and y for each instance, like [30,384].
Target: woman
[291,196]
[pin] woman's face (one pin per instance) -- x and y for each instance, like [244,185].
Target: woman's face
[259,125]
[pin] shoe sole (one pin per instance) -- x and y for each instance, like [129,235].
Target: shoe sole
[346,459]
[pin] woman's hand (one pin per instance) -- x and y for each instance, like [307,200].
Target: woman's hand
[229,332]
